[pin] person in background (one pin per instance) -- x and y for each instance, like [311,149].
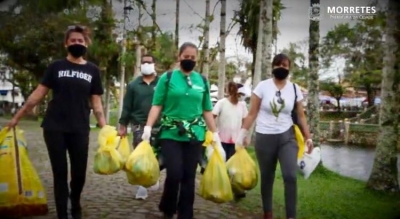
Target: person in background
[276,103]
[182,97]
[73,81]
[136,107]
[230,112]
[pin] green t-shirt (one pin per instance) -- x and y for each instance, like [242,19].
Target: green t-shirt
[181,101]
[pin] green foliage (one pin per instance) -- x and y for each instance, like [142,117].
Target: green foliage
[316,195]
[336,90]
[298,68]
[19,31]
[361,46]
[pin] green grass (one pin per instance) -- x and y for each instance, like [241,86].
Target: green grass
[327,195]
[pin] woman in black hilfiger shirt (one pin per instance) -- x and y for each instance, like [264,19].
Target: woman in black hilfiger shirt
[74,81]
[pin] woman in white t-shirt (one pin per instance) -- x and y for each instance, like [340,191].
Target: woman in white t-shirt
[230,112]
[276,104]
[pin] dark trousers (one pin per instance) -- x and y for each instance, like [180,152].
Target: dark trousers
[229,149]
[77,144]
[181,159]
[271,149]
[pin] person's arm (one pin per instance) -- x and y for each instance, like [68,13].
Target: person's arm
[255,103]
[302,121]
[34,99]
[217,108]
[127,105]
[207,110]
[159,97]
[245,111]
[96,91]
[47,83]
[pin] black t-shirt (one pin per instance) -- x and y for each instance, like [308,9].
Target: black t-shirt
[72,85]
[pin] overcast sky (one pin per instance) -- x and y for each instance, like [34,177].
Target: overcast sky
[293,25]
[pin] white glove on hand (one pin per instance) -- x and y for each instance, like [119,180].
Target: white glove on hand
[241,136]
[146,133]
[216,137]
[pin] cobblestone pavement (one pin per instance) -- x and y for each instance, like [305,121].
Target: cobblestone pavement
[111,197]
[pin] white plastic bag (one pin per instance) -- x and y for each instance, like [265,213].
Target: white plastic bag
[309,162]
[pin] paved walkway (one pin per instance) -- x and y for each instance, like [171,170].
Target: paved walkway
[111,197]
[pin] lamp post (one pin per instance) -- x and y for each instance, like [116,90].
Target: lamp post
[122,59]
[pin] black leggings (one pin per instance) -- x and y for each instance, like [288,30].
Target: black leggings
[181,159]
[77,145]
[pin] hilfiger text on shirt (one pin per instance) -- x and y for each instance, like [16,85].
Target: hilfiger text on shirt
[75,74]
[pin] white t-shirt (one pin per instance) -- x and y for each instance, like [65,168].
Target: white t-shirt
[267,122]
[229,119]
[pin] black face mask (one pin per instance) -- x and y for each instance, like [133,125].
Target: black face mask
[280,73]
[187,65]
[77,50]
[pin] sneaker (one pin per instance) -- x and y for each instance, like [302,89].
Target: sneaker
[155,187]
[141,193]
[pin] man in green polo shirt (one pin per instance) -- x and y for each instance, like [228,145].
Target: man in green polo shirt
[137,103]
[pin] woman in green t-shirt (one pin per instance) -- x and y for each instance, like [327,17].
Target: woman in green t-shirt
[182,97]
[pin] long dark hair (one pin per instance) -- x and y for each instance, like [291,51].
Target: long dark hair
[233,91]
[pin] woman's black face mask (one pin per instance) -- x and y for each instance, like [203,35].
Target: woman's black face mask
[280,73]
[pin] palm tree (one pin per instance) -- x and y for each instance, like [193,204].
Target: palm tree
[384,173]
[248,19]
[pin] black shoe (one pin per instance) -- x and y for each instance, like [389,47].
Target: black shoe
[76,212]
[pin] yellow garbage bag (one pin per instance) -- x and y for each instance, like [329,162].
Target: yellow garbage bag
[123,147]
[105,135]
[142,166]
[107,159]
[215,185]
[21,191]
[242,170]
[300,141]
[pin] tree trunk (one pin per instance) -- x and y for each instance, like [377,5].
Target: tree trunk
[138,43]
[266,18]
[222,61]
[258,55]
[206,49]
[154,28]
[177,24]
[384,173]
[313,79]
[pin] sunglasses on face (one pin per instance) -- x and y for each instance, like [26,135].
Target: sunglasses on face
[76,27]
[147,62]
[278,95]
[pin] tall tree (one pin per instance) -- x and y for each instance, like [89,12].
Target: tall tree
[298,68]
[267,20]
[256,77]
[222,61]
[206,46]
[313,78]
[384,175]
[248,19]
[154,27]
[177,11]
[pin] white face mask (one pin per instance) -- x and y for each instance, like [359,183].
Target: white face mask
[147,69]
